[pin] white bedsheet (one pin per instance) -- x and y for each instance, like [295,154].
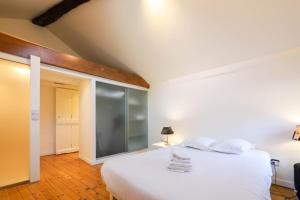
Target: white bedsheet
[215,176]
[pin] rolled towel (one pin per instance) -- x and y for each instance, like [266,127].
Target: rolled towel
[179,157]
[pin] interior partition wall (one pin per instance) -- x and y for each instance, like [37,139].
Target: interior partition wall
[14,122]
[121,119]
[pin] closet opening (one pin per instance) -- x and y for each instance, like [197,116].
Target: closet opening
[61,102]
[121,120]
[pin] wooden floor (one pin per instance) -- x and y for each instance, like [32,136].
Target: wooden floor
[282,193]
[66,177]
[63,177]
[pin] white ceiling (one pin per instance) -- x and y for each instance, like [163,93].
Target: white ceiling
[55,77]
[24,9]
[165,39]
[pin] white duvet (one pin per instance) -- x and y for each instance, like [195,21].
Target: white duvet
[215,176]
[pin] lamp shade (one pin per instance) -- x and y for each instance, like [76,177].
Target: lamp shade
[296,135]
[167,131]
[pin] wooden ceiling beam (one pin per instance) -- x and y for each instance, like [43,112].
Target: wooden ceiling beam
[18,47]
[56,12]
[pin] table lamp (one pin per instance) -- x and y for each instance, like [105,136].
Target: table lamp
[296,135]
[167,131]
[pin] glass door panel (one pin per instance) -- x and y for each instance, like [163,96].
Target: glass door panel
[137,133]
[110,120]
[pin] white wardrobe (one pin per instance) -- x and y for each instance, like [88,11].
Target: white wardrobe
[67,120]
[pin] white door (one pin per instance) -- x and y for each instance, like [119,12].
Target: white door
[63,105]
[75,137]
[63,138]
[67,120]
[75,106]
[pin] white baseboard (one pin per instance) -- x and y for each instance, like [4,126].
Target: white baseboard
[47,153]
[284,183]
[66,150]
[88,161]
[103,159]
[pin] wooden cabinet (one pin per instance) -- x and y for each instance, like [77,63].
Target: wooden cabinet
[67,121]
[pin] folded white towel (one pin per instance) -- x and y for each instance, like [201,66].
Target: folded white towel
[179,170]
[180,161]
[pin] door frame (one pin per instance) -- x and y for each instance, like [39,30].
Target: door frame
[89,154]
[35,82]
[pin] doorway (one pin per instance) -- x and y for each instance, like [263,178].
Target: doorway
[60,118]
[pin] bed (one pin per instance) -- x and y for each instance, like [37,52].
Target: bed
[215,176]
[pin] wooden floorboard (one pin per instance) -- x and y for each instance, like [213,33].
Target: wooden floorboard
[282,193]
[66,177]
[63,177]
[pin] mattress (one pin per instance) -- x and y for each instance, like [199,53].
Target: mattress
[215,176]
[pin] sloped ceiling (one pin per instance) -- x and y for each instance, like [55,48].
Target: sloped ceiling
[24,9]
[162,39]
[165,39]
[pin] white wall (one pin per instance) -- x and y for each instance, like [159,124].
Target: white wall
[47,138]
[24,29]
[14,122]
[258,100]
[87,127]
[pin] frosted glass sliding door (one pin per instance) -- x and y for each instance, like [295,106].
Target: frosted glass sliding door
[14,122]
[110,120]
[137,133]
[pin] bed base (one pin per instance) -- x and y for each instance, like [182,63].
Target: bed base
[111,197]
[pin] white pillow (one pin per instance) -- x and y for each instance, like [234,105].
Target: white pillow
[233,146]
[201,143]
